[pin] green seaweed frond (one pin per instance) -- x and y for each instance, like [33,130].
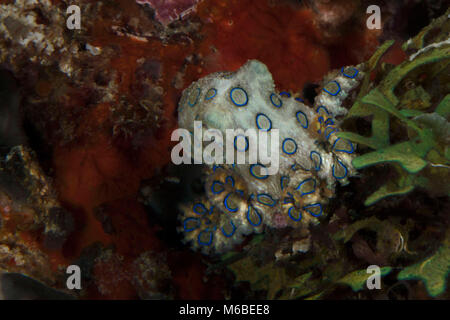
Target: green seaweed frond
[407,98]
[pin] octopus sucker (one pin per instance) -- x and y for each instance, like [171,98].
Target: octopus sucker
[241,199]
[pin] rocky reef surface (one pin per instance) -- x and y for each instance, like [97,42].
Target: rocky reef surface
[85,123]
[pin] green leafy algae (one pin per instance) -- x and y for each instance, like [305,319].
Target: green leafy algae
[432,271]
[357,279]
[422,158]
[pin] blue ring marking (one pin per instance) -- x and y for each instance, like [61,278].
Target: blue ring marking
[349,76]
[305,181]
[284,93]
[317,168]
[282,183]
[322,107]
[205,243]
[216,167]
[211,95]
[320,119]
[225,203]
[239,104]
[257,213]
[333,93]
[258,125]
[246,143]
[219,183]
[327,136]
[343,166]
[276,105]
[241,192]
[306,208]
[287,140]
[299,99]
[329,122]
[196,98]
[232,232]
[290,215]
[232,180]
[341,150]
[255,176]
[265,196]
[202,206]
[305,119]
[185,222]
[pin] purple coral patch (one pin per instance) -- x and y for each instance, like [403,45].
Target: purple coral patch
[167,11]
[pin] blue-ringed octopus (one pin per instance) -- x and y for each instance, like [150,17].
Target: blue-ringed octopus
[243,199]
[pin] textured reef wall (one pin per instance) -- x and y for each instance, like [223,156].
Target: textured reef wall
[86,133]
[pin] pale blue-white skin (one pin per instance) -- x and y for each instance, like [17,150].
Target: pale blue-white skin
[309,161]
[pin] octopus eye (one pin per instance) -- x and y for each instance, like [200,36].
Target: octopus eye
[193,97]
[349,72]
[314,209]
[316,159]
[343,145]
[332,88]
[340,170]
[302,119]
[307,186]
[289,199]
[253,216]
[295,214]
[263,122]
[211,93]
[228,75]
[289,146]
[205,238]
[276,101]
[239,97]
